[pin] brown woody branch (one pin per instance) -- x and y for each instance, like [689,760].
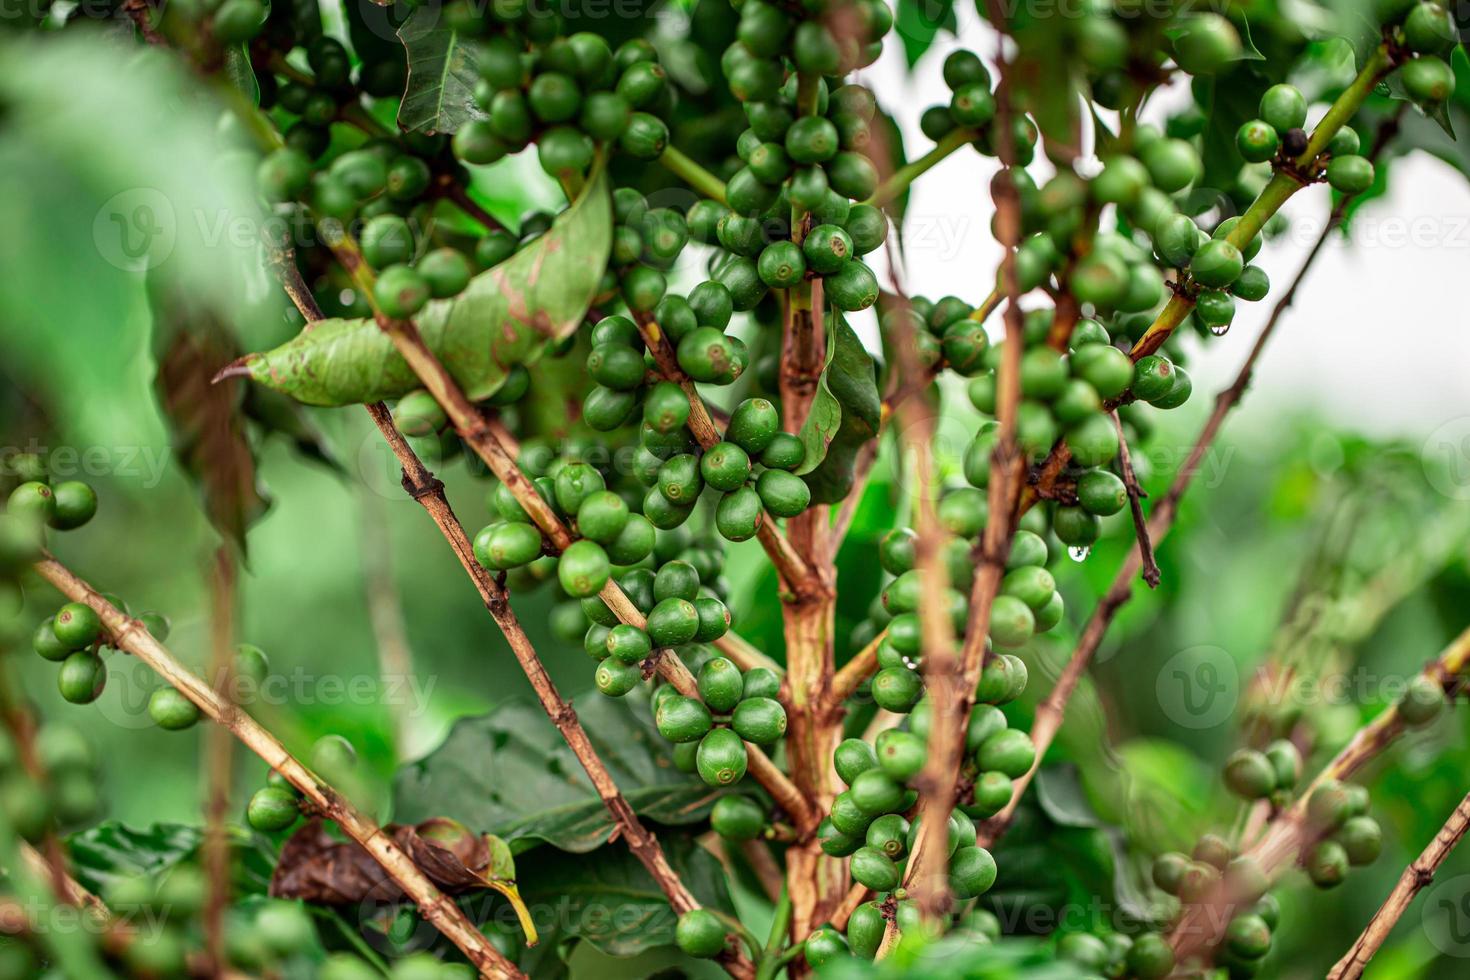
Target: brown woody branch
[930,882]
[1007,473]
[481,434]
[850,677]
[440,910]
[1416,878]
[423,487]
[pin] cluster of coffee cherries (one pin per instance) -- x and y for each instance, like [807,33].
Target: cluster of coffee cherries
[276,806]
[1064,396]
[1427,31]
[1278,136]
[709,732]
[567,94]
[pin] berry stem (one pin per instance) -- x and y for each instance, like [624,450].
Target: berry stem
[1416,878]
[693,174]
[850,677]
[794,569]
[132,635]
[898,182]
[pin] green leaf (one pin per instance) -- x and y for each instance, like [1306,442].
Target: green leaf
[440,96]
[1045,80]
[503,318]
[608,898]
[845,413]
[112,851]
[918,23]
[509,772]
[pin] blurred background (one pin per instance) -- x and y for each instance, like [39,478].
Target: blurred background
[1327,531]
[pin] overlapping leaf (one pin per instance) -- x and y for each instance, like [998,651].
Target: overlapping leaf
[845,413]
[440,95]
[503,318]
[510,772]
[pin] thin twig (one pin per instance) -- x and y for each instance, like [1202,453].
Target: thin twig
[132,636]
[422,486]
[929,882]
[219,754]
[1140,524]
[1289,830]
[1416,878]
[850,677]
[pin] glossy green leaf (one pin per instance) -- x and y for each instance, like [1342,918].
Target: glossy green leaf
[919,22]
[113,851]
[440,95]
[608,898]
[510,773]
[845,413]
[503,318]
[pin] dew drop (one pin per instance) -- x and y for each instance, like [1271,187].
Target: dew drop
[1220,330]
[1079,552]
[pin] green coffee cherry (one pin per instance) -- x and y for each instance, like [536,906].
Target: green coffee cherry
[737,818]
[852,757]
[874,869]
[823,946]
[45,642]
[1361,839]
[759,720]
[82,677]
[1327,864]
[615,678]
[1422,702]
[972,872]
[272,809]
[699,932]
[721,758]
[171,710]
[76,504]
[865,929]
[583,569]
[1150,957]
[1010,752]
[76,625]
[1250,774]
[681,719]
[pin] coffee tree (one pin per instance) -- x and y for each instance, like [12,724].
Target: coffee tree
[678,358]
